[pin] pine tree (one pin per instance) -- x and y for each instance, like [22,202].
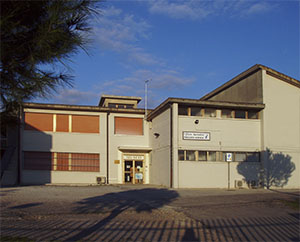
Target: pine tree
[35,37]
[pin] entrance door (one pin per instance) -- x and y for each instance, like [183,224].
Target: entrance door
[133,172]
[128,171]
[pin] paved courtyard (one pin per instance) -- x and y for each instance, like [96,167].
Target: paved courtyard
[147,213]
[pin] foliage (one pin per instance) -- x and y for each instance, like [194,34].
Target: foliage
[35,37]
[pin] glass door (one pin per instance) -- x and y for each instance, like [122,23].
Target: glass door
[139,172]
[128,171]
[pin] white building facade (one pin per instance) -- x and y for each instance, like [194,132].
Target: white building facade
[245,133]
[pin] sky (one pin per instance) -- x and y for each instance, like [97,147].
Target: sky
[184,48]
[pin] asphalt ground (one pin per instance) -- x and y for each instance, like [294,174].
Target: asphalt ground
[147,213]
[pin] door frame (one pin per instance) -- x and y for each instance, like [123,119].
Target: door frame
[133,157]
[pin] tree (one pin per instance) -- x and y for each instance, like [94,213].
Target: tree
[35,37]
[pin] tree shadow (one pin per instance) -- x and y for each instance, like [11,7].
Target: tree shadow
[274,171]
[139,200]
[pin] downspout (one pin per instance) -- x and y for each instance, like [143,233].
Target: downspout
[171,146]
[107,148]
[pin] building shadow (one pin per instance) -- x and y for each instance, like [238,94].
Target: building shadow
[274,170]
[141,200]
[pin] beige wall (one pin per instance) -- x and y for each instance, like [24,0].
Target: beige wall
[193,174]
[281,128]
[160,163]
[65,142]
[133,142]
[226,134]
[248,90]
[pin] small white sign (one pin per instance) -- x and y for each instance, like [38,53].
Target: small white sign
[187,135]
[228,157]
[133,157]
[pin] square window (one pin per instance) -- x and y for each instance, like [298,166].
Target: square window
[183,111]
[240,114]
[190,155]
[252,115]
[210,112]
[240,156]
[202,156]
[212,156]
[196,111]
[181,154]
[226,113]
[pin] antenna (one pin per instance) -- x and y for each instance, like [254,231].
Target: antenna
[146,98]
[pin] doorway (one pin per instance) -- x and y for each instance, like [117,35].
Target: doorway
[134,171]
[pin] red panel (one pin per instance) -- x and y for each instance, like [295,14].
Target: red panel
[85,162]
[129,126]
[85,124]
[38,160]
[62,162]
[62,123]
[39,121]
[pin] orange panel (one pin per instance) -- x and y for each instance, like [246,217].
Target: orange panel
[62,123]
[85,124]
[130,126]
[39,121]
[38,160]
[62,162]
[85,162]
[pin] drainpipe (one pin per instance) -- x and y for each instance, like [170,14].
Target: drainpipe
[171,146]
[107,148]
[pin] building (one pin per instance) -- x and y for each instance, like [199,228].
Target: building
[246,133]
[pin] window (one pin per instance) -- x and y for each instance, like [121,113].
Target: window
[253,157]
[181,154]
[210,112]
[240,114]
[128,126]
[85,124]
[182,110]
[240,156]
[212,156]
[252,115]
[190,155]
[196,111]
[61,161]
[39,121]
[226,113]
[202,156]
[38,160]
[85,162]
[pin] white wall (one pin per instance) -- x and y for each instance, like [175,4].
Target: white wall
[160,163]
[281,129]
[65,142]
[131,141]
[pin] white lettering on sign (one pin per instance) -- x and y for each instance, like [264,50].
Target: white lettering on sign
[133,157]
[196,135]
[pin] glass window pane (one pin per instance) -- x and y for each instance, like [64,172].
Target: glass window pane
[212,156]
[226,113]
[196,111]
[252,115]
[202,156]
[253,157]
[183,111]
[210,112]
[240,156]
[240,114]
[190,155]
[181,154]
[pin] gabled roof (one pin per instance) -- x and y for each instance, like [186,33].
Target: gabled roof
[249,72]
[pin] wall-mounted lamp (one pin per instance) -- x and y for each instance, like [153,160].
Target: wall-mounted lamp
[196,121]
[156,135]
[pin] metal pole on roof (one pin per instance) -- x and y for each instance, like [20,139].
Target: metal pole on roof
[146,97]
